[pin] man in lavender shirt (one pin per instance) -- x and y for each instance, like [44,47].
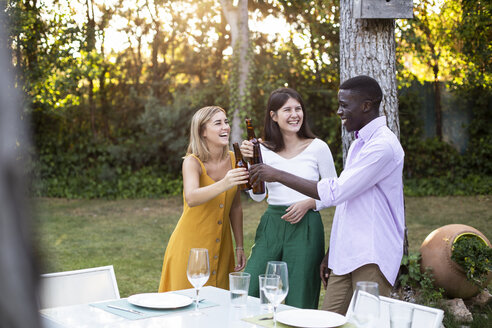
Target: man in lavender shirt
[366,242]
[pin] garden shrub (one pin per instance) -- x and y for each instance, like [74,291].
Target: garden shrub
[144,160]
[421,283]
[474,256]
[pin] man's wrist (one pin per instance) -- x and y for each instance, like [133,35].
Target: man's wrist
[277,176]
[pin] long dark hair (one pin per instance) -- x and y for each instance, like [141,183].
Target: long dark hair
[272,136]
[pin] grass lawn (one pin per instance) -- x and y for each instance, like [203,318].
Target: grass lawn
[132,234]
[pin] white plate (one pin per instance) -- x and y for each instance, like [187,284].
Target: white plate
[311,318]
[160,300]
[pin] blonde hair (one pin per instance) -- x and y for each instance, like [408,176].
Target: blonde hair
[198,145]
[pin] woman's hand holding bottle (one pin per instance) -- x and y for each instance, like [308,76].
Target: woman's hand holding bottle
[236,177]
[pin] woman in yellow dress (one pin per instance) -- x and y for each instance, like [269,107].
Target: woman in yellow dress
[212,205]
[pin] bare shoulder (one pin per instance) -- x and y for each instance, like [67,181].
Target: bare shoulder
[191,163]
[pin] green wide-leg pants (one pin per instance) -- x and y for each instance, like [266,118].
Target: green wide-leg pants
[300,245]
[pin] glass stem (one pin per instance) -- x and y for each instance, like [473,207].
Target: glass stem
[196,300]
[274,316]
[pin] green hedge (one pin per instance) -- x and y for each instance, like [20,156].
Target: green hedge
[449,186]
[150,182]
[117,183]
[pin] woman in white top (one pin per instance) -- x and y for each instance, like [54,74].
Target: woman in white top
[291,229]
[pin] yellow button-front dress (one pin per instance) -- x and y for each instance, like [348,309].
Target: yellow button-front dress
[204,226]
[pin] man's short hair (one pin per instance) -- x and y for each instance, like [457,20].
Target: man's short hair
[366,86]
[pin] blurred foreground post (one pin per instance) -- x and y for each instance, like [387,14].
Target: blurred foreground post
[18,277]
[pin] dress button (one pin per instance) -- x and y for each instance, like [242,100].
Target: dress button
[220,222]
[216,257]
[213,272]
[221,205]
[217,240]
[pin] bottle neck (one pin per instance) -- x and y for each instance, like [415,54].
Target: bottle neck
[250,130]
[237,154]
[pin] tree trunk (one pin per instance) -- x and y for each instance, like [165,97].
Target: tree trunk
[91,45]
[237,18]
[104,96]
[92,108]
[437,102]
[367,47]
[31,50]
[157,43]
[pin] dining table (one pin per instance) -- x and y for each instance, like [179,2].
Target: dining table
[216,311]
[215,306]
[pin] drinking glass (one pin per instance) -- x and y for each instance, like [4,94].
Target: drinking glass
[198,271]
[276,289]
[365,305]
[238,286]
[264,302]
[401,315]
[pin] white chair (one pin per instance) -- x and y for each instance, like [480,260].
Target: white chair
[78,287]
[423,316]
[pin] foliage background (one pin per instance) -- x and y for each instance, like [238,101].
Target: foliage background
[113,123]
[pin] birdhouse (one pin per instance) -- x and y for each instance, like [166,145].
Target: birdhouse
[383,9]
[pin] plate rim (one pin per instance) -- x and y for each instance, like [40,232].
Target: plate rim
[189,301]
[311,310]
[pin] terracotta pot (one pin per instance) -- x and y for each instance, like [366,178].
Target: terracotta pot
[436,254]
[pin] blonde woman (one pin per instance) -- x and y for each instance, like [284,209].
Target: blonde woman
[212,205]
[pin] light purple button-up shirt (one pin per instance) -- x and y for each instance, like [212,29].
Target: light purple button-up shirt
[369,223]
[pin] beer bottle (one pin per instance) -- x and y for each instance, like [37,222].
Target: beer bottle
[257,159]
[251,131]
[240,163]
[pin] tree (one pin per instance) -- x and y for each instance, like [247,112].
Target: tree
[313,69]
[90,47]
[449,43]
[367,47]
[237,17]
[426,37]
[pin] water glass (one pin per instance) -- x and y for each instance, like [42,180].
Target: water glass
[238,286]
[264,302]
[365,305]
[401,315]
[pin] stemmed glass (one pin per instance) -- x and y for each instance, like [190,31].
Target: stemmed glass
[198,271]
[365,305]
[276,285]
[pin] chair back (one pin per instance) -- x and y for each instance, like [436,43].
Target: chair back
[78,287]
[423,316]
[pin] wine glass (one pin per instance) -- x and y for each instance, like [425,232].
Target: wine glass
[276,288]
[365,305]
[198,271]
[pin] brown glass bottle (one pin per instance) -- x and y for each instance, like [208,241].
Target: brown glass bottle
[251,131]
[257,159]
[240,163]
